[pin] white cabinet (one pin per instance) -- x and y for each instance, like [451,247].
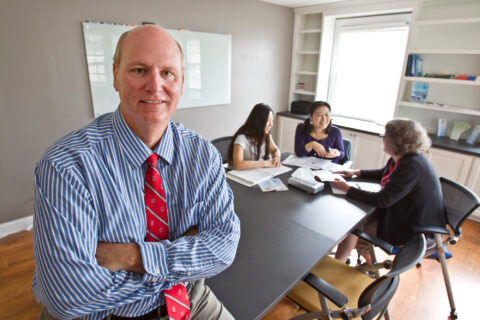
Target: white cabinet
[445,35]
[286,133]
[367,150]
[305,57]
[449,164]
[462,168]
[474,183]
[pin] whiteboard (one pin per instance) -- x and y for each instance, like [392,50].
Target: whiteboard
[207,59]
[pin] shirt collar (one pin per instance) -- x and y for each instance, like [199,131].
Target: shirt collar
[134,149]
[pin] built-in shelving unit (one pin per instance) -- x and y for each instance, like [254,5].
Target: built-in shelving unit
[306,54]
[444,81]
[445,34]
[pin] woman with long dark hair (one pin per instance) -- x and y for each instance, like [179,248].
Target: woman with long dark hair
[317,137]
[252,145]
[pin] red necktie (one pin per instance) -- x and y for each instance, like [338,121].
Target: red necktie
[178,305]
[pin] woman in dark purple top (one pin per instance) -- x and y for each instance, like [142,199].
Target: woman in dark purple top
[316,137]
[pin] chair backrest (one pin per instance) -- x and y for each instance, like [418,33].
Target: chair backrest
[222,146]
[379,293]
[409,255]
[459,201]
[347,147]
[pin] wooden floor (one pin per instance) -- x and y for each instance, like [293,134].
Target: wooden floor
[421,295]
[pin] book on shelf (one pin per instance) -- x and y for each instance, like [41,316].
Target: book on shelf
[254,176]
[466,77]
[459,127]
[419,91]
[414,66]
[439,75]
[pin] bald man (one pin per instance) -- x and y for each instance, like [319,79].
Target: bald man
[97,255]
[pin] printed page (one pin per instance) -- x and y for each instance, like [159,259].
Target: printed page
[254,176]
[309,162]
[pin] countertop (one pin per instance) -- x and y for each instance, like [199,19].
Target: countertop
[375,129]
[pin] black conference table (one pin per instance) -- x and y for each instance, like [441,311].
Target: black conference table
[283,235]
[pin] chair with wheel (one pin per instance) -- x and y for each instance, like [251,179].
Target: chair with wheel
[460,203]
[352,293]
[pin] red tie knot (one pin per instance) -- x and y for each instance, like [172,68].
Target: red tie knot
[152,160]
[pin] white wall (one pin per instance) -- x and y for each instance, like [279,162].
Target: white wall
[44,87]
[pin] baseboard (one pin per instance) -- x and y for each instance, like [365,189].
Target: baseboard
[474,218]
[14,226]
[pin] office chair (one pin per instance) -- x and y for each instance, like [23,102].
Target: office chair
[366,297]
[460,202]
[222,146]
[347,147]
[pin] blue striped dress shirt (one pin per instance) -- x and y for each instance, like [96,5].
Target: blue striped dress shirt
[89,188]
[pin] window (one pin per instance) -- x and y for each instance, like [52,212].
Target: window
[367,62]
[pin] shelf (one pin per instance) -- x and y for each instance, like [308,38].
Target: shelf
[311,31]
[446,21]
[308,73]
[306,93]
[441,51]
[444,81]
[440,108]
[308,52]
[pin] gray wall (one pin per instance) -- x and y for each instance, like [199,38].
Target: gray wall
[44,88]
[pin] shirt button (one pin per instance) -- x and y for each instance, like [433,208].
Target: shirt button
[157,270]
[155,279]
[189,273]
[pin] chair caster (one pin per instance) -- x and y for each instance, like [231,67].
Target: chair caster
[453,315]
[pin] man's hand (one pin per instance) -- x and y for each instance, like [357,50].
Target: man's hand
[125,256]
[120,256]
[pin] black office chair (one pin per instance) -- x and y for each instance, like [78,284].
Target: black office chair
[460,202]
[222,146]
[366,297]
[347,147]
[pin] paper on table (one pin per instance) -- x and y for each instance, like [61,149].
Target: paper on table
[274,184]
[254,176]
[312,163]
[327,176]
[306,178]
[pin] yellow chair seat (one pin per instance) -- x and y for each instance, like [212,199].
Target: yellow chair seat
[345,279]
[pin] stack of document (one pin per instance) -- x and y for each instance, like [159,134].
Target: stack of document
[313,163]
[304,179]
[255,176]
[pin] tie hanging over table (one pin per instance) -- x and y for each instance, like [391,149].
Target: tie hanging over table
[178,304]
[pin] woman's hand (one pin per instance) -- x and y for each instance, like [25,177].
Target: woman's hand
[271,163]
[348,173]
[339,184]
[333,153]
[319,149]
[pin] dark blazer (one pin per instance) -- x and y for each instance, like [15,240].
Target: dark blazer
[411,196]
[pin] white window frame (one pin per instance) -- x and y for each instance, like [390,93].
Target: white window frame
[365,22]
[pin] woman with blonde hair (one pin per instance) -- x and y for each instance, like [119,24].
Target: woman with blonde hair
[410,193]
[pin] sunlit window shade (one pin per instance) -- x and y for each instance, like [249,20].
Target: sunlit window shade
[366,71]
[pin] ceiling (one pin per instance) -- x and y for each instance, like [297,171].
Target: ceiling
[301,3]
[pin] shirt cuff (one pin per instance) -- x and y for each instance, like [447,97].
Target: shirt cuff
[155,261]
